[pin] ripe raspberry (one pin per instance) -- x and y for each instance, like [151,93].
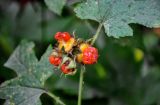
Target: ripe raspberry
[65,70]
[56,61]
[58,36]
[65,36]
[90,55]
[82,47]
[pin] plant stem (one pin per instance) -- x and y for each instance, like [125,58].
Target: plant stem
[81,85]
[57,99]
[83,68]
[97,33]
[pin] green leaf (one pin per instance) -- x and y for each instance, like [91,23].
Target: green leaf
[18,95]
[26,88]
[22,59]
[55,5]
[116,15]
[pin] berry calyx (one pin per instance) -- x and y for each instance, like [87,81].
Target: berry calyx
[90,55]
[66,45]
[56,61]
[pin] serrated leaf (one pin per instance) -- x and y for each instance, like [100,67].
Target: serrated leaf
[55,5]
[116,15]
[26,88]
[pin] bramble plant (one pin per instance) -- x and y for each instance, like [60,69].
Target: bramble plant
[70,51]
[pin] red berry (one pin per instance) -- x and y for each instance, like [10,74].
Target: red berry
[65,70]
[90,55]
[82,47]
[66,36]
[56,61]
[58,36]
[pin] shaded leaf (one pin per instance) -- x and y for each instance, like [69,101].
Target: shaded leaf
[28,24]
[55,5]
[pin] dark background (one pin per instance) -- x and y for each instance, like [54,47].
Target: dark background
[128,69]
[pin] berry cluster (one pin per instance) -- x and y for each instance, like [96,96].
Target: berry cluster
[69,51]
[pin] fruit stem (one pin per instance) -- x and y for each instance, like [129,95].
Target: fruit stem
[57,99]
[97,33]
[82,71]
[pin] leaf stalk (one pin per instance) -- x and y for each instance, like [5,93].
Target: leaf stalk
[97,33]
[57,99]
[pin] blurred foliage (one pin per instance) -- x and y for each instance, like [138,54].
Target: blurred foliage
[128,70]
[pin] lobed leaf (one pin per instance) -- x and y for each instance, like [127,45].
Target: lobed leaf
[26,88]
[18,95]
[23,58]
[116,15]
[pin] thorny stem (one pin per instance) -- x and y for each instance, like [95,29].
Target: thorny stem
[83,68]
[57,99]
[81,85]
[97,33]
